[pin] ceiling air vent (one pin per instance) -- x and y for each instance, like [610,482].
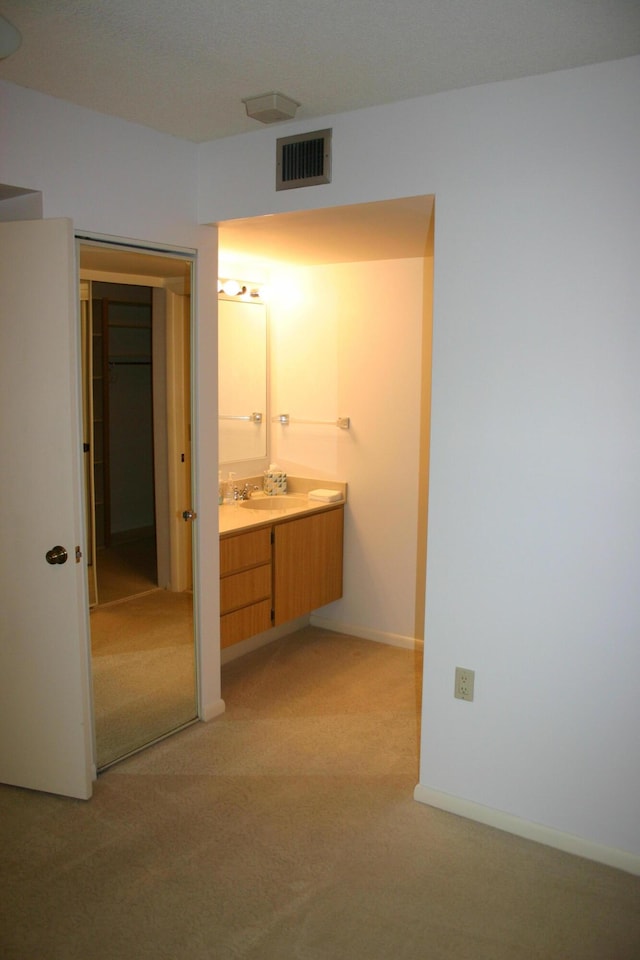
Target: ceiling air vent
[303,160]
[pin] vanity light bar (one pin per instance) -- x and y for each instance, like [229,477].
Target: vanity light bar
[231,288]
[343,422]
[236,288]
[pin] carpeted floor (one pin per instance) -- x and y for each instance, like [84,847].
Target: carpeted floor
[143,671]
[126,569]
[286,830]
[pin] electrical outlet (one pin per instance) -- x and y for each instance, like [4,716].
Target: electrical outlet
[464,684]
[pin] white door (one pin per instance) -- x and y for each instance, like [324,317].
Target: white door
[45,711]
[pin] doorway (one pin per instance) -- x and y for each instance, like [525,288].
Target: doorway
[136,333]
[351,301]
[326,317]
[124,557]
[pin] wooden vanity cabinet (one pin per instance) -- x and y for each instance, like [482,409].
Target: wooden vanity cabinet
[274,574]
[245,585]
[307,557]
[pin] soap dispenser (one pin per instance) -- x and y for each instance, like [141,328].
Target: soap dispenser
[230,488]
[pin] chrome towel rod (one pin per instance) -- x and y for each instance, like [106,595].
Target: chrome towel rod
[343,422]
[252,418]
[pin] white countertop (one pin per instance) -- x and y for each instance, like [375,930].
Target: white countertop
[237,516]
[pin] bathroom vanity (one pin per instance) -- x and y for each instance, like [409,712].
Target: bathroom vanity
[280,558]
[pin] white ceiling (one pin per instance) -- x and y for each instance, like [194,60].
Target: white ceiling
[385,230]
[184,67]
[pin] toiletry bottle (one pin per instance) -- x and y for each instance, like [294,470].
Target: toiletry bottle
[230,488]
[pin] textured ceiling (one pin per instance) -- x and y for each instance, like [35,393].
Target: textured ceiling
[184,67]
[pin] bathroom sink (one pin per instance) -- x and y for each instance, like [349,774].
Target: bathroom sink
[275,503]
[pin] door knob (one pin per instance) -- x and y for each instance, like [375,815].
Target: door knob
[56,555]
[189,515]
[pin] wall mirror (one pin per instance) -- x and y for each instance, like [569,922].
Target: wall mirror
[242,377]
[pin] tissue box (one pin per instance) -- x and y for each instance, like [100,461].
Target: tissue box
[328,495]
[275,483]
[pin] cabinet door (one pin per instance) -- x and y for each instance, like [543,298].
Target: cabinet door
[308,564]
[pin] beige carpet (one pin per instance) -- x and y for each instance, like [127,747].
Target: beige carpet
[286,830]
[143,671]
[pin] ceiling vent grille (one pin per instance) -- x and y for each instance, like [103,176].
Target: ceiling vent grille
[303,160]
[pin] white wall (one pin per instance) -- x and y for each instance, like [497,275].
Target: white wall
[117,178]
[346,341]
[534,523]
[534,526]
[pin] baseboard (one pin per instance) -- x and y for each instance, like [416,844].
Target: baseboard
[227,654]
[610,856]
[336,626]
[209,711]
[393,639]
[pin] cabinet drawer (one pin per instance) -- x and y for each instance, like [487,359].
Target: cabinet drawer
[245,550]
[241,589]
[244,623]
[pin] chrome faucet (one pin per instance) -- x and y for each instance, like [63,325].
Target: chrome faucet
[244,493]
